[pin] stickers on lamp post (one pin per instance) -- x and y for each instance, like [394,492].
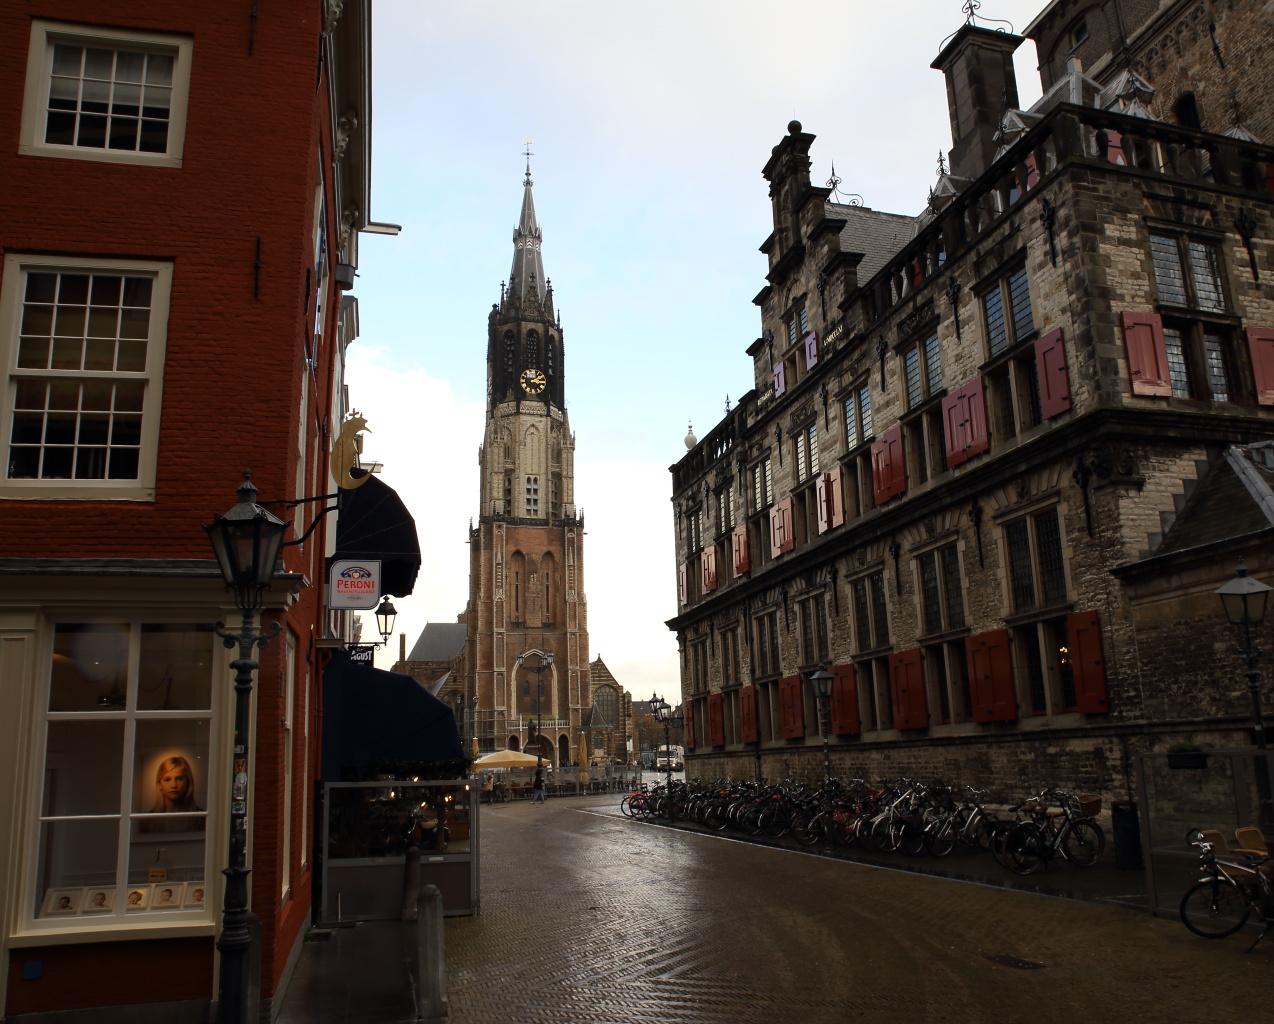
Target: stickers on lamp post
[354,583]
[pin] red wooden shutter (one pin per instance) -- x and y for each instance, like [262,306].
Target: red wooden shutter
[955,423]
[844,702]
[1087,662]
[739,543]
[831,504]
[1050,371]
[690,725]
[811,350]
[780,379]
[709,562]
[979,435]
[1147,354]
[1260,343]
[681,583]
[748,731]
[782,539]
[888,467]
[792,708]
[991,684]
[716,720]
[907,678]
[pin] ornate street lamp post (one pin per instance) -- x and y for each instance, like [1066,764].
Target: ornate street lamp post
[246,542]
[821,680]
[1245,600]
[386,613]
[664,713]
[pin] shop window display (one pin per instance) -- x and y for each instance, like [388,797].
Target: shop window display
[129,713]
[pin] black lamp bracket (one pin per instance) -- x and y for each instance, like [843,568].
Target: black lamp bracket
[231,638]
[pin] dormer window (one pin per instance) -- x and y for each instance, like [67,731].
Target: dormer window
[1079,32]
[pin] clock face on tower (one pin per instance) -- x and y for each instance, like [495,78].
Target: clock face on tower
[533,381]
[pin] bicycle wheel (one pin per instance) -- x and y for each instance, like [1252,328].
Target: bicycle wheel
[940,837]
[1024,848]
[1214,908]
[807,827]
[1083,843]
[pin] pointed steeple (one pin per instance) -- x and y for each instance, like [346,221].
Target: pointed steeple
[526,277]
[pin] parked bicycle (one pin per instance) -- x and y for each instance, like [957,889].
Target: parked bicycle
[1228,894]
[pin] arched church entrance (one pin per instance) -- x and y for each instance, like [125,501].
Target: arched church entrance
[542,746]
[563,749]
[514,743]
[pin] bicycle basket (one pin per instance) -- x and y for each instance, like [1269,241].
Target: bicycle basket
[1090,805]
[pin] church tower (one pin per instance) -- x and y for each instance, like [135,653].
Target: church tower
[526,552]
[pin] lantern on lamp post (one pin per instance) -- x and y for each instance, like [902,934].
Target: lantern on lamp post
[1245,600]
[246,542]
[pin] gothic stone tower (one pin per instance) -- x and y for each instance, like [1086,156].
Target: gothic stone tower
[526,553]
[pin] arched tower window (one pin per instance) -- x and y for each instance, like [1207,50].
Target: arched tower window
[607,705]
[510,353]
[549,345]
[532,349]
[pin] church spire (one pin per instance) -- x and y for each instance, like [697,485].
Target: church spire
[526,278]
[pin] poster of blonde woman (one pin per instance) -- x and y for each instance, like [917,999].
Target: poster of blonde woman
[168,784]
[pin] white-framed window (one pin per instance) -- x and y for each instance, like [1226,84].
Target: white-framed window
[105,94]
[807,453]
[532,495]
[289,717]
[83,345]
[305,771]
[126,773]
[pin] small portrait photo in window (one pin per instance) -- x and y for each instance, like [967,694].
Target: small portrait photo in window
[62,902]
[169,783]
[167,895]
[98,900]
[138,898]
[194,896]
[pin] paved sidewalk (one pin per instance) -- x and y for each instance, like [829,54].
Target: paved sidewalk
[591,918]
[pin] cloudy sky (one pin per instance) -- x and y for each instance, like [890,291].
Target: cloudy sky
[649,125]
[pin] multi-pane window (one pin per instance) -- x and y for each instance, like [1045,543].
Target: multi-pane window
[105,94]
[531,350]
[1037,577]
[1187,272]
[1006,308]
[922,370]
[767,644]
[871,619]
[942,601]
[127,756]
[1214,361]
[699,666]
[807,452]
[532,495]
[510,355]
[731,666]
[555,483]
[85,369]
[813,612]
[725,509]
[798,325]
[858,425]
[694,531]
[762,485]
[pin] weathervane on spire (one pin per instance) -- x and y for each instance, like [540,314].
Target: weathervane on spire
[942,164]
[528,154]
[970,8]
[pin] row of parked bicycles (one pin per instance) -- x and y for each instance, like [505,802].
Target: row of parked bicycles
[904,816]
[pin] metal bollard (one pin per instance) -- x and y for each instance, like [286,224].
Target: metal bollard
[411,883]
[431,959]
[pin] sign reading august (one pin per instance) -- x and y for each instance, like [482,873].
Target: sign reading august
[354,583]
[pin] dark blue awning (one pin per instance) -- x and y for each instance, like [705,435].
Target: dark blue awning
[374,523]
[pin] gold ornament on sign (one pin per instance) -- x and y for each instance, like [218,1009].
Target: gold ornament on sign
[345,454]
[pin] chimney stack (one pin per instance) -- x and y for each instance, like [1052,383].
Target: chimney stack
[981,86]
[402,646]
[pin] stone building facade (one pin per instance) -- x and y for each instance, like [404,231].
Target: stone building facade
[965,424]
[527,550]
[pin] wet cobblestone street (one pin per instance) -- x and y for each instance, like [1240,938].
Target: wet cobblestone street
[592,918]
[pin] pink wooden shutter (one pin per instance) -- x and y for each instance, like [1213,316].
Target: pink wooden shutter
[1260,343]
[1087,662]
[1147,354]
[880,471]
[690,725]
[681,583]
[889,469]
[780,379]
[906,675]
[1032,172]
[1115,148]
[835,499]
[811,350]
[1051,372]
[709,569]
[793,708]
[820,499]
[739,542]
[787,536]
[979,436]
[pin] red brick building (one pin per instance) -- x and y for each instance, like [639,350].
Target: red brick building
[185,185]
